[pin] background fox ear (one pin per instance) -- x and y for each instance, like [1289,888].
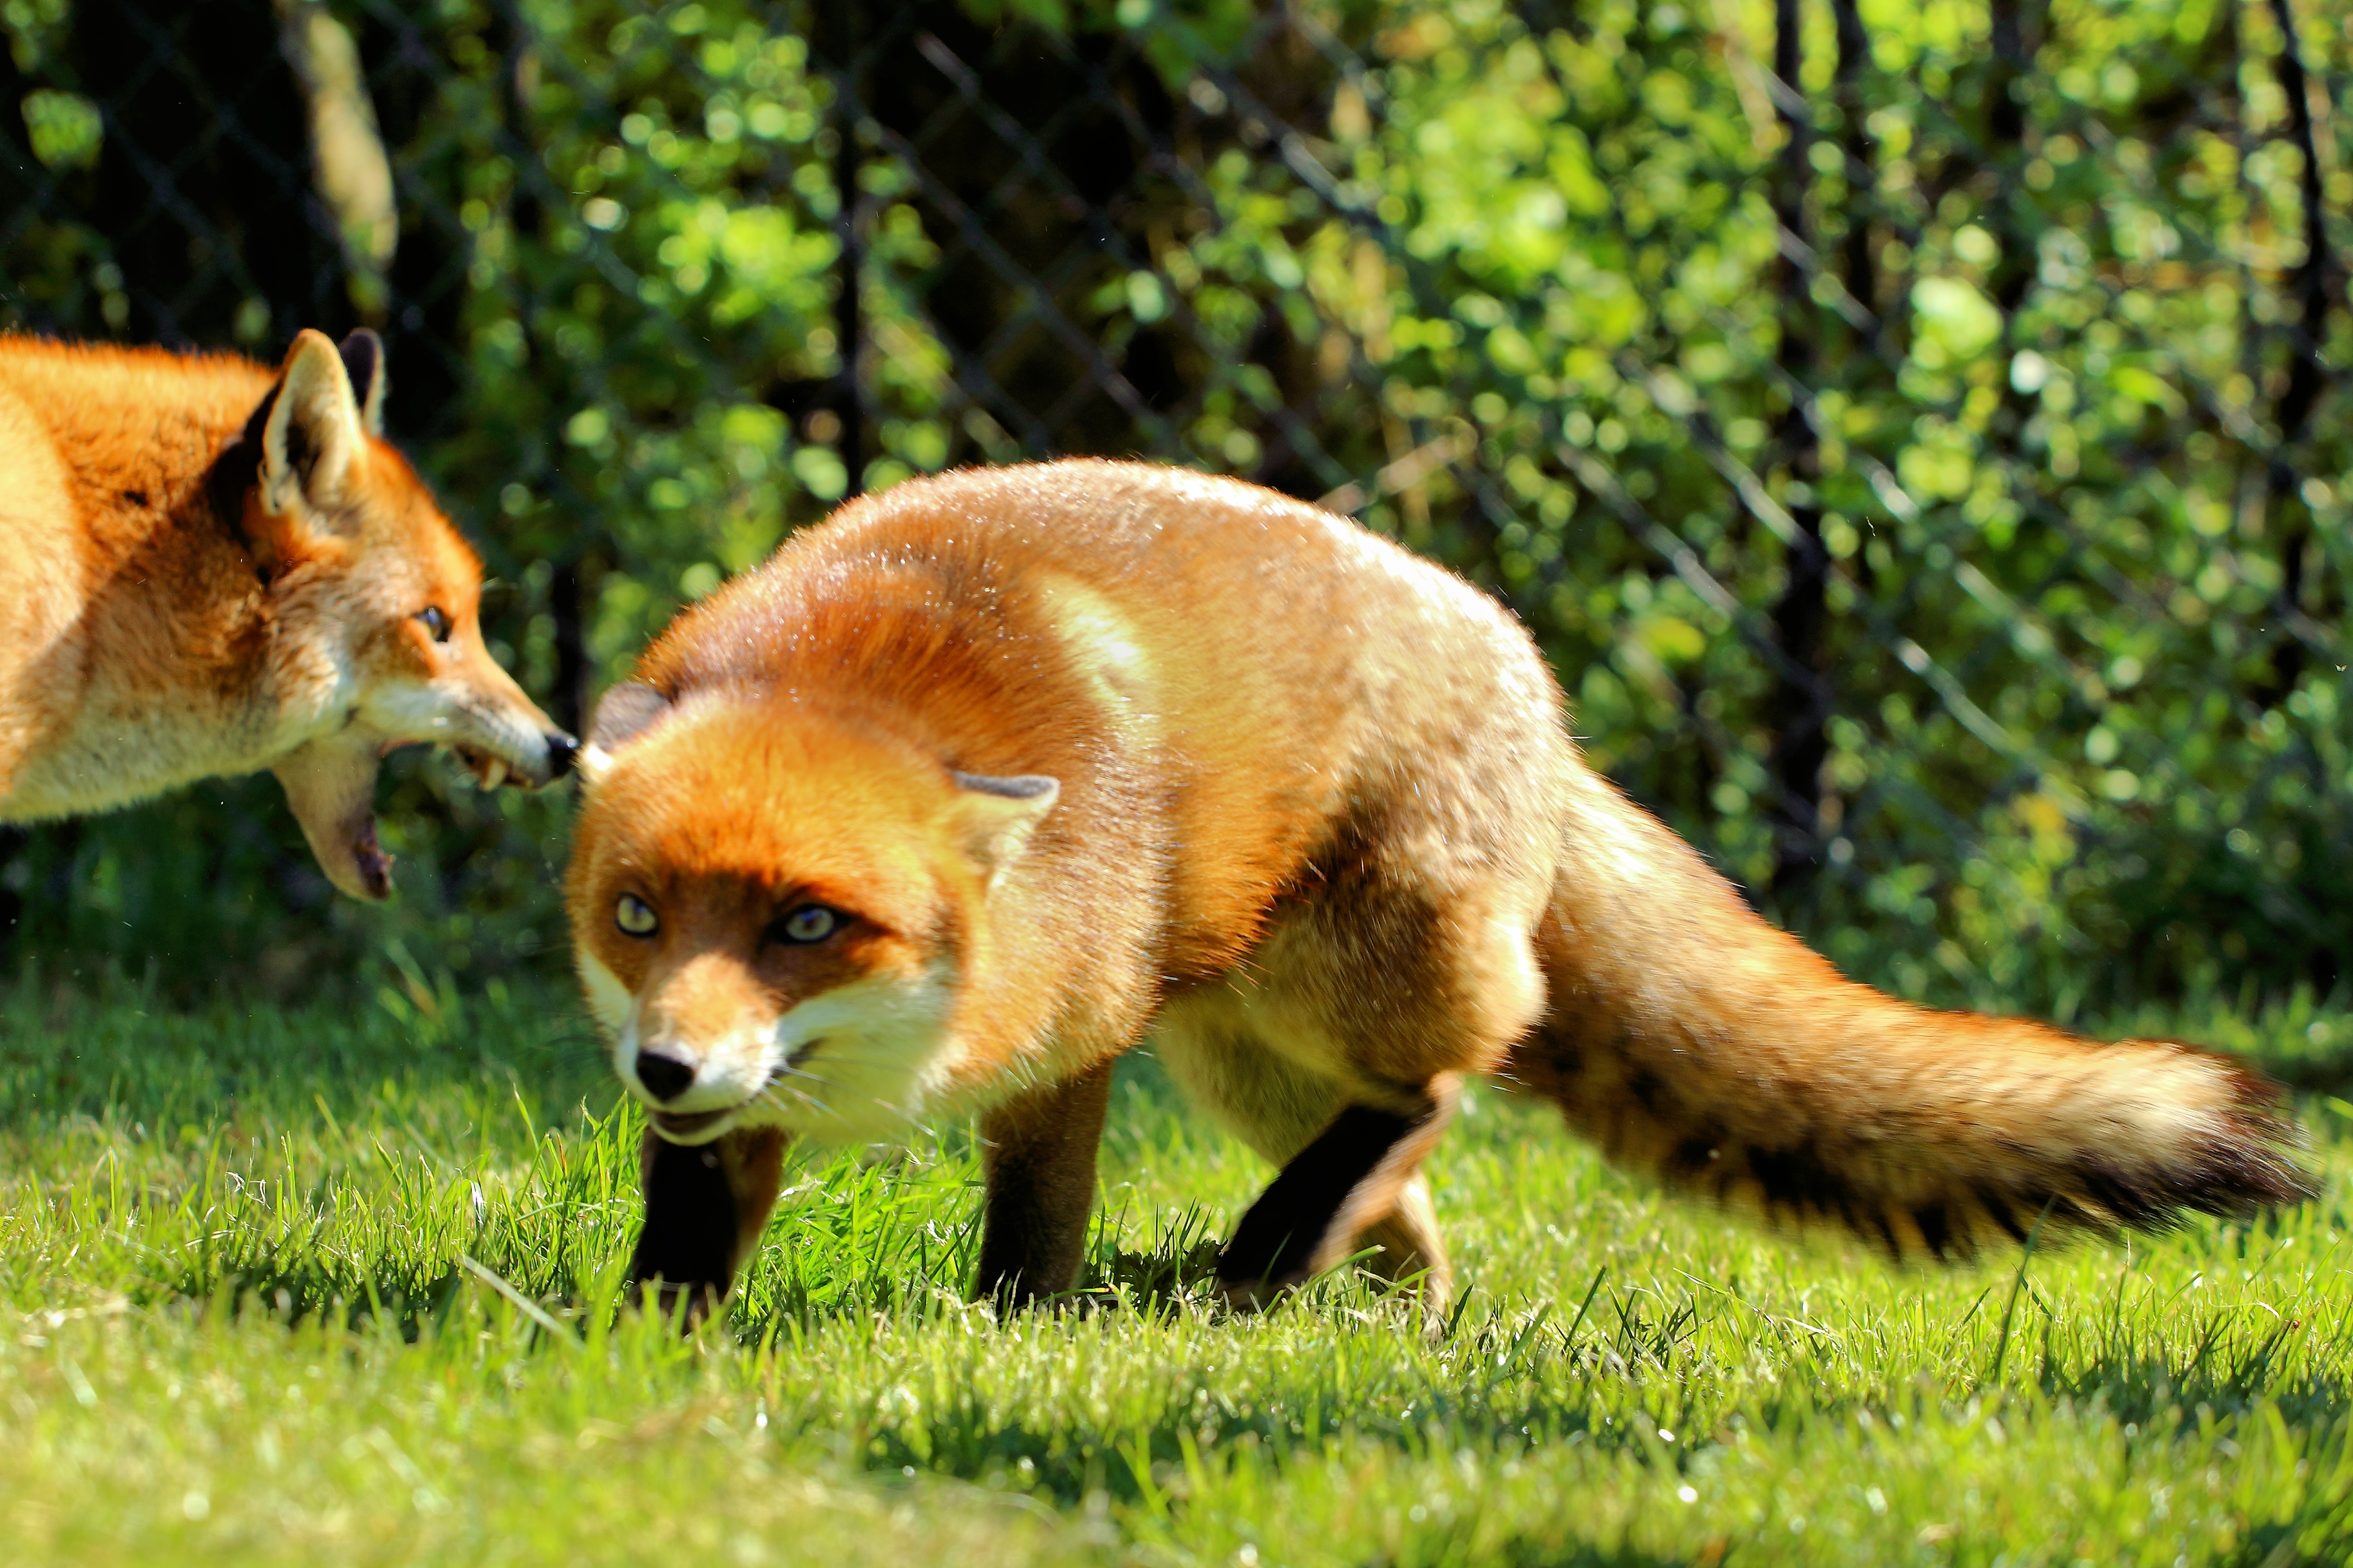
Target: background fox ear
[624,713]
[998,815]
[312,434]
[362,355]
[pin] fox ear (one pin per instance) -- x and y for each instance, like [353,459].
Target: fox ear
[624,713]
[998,815]
[362,356]
[312,432]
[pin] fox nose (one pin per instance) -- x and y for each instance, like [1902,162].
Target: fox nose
[665,1077]
[560,748]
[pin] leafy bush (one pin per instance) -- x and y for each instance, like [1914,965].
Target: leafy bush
[1924,475]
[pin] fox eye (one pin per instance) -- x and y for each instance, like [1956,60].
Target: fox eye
[808,923]
[437,621]
[635,916]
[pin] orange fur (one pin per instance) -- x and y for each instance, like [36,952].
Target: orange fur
[211,569]
[1303,809]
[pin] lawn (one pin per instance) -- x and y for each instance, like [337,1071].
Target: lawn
[335,1284]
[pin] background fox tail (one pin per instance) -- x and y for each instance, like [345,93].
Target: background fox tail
[1697,1044]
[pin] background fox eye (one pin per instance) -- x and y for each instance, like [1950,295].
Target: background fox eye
[437,621]
[811,922]
[635,916]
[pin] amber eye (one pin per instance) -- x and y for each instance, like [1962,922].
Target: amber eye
[436,622]
[635,916]
[808,923]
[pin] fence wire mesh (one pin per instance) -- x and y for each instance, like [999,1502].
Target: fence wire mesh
[1915,432]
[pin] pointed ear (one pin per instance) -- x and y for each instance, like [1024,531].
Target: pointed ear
[314,433]
[624,713]
[998,815]
[362,356]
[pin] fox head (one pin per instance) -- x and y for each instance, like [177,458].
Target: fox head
[373,601]
[775,911]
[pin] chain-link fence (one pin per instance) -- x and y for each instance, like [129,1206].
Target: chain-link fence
[1914,431]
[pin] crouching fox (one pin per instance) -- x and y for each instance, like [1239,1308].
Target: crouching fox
[993,775]
[206,569]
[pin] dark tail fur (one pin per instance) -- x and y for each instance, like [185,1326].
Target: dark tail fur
[1697,1044]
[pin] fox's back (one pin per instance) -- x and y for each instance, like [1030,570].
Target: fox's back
[89,423]
[101,448]
[1221,675]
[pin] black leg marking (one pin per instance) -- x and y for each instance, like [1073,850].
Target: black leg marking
[689,1239]
[1326,1187]
[1283,1228]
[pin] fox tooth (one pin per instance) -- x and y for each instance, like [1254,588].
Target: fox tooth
[495,774]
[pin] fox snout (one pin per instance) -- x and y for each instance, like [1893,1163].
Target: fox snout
[331,782]
[696,1046]
[689,1095]
[664,1078]
[546,757]
[478,711]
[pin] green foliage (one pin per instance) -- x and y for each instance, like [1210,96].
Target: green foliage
[284,1286]
[1506,280]
[661,261]
[2090,733]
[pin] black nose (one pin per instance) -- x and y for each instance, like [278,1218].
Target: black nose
[665,1077]
[560,748]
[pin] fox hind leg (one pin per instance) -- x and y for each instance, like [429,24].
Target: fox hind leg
[1411,1245]
[1288,1113]
[1359,1178]
[1338,1046]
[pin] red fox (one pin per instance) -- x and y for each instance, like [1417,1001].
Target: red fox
[995,775]
[205,569]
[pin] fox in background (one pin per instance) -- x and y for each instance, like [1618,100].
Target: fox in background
[979,784]
[209,569]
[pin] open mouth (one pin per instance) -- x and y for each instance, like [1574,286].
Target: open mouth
[489,771]
[674,1125]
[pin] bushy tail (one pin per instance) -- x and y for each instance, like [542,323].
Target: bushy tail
[1696,1043]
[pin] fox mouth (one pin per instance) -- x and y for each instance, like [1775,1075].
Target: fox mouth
[678,1127]
[699,1126]
[489,772]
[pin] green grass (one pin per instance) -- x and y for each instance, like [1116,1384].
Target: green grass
[336,1285]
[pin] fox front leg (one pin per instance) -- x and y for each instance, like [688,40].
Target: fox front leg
[1038,1156]
[705,1207]
[1360,1174]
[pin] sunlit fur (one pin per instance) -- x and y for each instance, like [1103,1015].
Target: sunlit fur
[847,1039]
[1321,832]
[851,1065]
[158,626]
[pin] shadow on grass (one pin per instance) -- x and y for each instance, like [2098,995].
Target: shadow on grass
[2228,1372]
